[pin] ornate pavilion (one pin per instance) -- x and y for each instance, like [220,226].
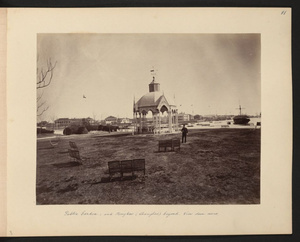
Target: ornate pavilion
[156,102]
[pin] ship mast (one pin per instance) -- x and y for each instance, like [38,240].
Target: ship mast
[240,108]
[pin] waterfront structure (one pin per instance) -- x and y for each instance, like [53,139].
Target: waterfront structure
[156,102]
[183,117]
[62,123]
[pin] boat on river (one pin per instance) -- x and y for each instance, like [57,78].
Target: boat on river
[241,118]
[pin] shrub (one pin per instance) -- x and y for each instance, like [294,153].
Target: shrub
[67,131]
[92,127]
[44,131]
[82,130]
[106,128]
[114,128]
[74,128]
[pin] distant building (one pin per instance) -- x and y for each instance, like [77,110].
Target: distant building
[191,117]
[111,120]
[124,120]
[183,117]
[62,122]
[65,122]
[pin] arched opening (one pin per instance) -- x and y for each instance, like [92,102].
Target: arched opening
[144,121]
[164,109]
[164,116]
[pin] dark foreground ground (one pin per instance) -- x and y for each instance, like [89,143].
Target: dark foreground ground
[220,166]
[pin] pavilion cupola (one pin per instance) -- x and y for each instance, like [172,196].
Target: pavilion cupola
[154,86]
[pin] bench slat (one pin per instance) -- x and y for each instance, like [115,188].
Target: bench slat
[114,167]
[171,143]
[175,143]
[126,166]
[138,165]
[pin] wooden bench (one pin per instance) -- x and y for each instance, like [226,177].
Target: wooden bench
[54,142]
[138,165]
[126,166]
[165,144]
[170,143]
[75,156]
[114,167]
[175,143]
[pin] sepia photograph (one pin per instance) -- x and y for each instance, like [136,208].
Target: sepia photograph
[148,118]
[147,121]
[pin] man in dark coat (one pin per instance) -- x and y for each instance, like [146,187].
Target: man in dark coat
[184,131]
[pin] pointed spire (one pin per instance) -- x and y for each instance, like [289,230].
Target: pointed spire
[174,99]
[134,103]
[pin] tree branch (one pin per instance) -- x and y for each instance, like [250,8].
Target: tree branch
[45,77]
[44,110]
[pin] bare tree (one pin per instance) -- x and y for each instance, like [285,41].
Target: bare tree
[53,118]
[44,78]
[94,118]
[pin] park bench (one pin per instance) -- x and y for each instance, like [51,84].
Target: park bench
[126,166]
[54,142]
[175,143]
[75,156]
[114,168]
[138,165]
[170,143]
[165,144]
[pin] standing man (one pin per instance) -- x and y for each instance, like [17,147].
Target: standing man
[184,131]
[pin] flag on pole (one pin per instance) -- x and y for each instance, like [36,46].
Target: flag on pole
[153,71]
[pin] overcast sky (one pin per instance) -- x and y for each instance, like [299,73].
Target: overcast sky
[207,73]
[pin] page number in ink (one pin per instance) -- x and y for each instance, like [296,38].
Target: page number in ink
[283,12]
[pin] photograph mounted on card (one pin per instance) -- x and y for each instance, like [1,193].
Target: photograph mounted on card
[149,116]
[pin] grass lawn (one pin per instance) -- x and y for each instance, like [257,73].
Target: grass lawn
[219,166]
